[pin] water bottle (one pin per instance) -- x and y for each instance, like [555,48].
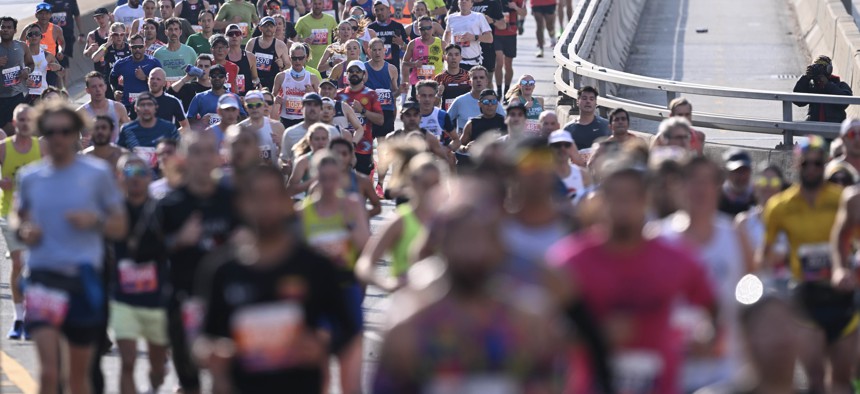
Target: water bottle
[193,71]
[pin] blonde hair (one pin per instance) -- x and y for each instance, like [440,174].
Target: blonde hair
[516,90]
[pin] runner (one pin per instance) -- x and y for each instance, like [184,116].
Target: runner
[106,56]
[142,135]
[128,13]
[683,108]
[505,45]
[64,296]
[543,11]
[268,341]
[100,35]
[391,32]
[436,121]
[368,107]
[312,113]
[489,120]
[454,81]
[548,123]
[338,115]
[419,11]
[637,329]
[149,7]
[191,11]
[316,140]
[674,132]
[199,41]
[193,81]
[352,50]
[239,12]
[150,34]
[100,105]
[166,8]
[272,54]
[16,72]
[355,183]
[523,91]
[172,177]
[515,121]
[337,226]
[291,86]
[336,52]
[195,219]
[588,126]
[382,77]
[53,40]
[101,145]
[247,78]
[619,123]
[229,107]
[139,280]
[577,180]
[466,106]
[467,29]
[492,11]
[176,55]
[423,56]
[16,151]
[65,14]
[315,29]
[169,107]
[270,131]
[42,63]
[218,44]
[133,70]
[737,192]
[806,213]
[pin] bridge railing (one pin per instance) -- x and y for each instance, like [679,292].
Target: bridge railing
[574,49]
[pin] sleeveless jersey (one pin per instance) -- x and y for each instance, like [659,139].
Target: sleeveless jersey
[267,144]
[380,81]
[49,42]
[14,161]
[430,57]
[412,228]
[243,79]
[37,82]
[112,55]
[532,115]
[267,67]
[434,122]
[111,113]
[293,91]
[191,12]
[329,235]
[574,184]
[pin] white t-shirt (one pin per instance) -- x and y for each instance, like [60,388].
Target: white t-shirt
[474,23]
[127,15]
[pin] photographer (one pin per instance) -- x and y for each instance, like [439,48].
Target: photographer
[820,80]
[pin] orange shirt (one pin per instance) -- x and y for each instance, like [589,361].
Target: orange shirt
[49,42]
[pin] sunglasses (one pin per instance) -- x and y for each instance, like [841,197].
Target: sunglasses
[270,102]
[489,101]
[297,58]
[527,83]
[772,182]
[812,163]
[217,76]
[47,133]
[254,105]
[137,46]
[234,34]
[135,172]
[425,28]
[34,34]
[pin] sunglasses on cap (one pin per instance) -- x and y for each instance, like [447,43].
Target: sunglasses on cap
[527,83]
[489,101]
[136,172]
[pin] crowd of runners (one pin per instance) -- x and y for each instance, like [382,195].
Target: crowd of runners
[213,199]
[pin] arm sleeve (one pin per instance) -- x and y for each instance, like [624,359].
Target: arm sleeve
[448,125]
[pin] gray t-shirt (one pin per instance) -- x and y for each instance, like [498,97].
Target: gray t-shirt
[12,83]
[585,134]
[48,194]
[294,134]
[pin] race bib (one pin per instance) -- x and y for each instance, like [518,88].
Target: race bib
[426,72]
[44,304]
[137,278]
[814,262]
[387,51]
[266,152]
[448,103]
[192,318]
[264,61]
[132,97]
[146,154]
[197,28]
[293,105]
[460,40]
[266,335]
[213,119]
[240,83]
[34,81]
[334,244]
[533,126]
[11,76]
[384,96]
[636,372]
[319,36]
[59,19]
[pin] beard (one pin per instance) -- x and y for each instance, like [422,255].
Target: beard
[101,140]
[812,183]
[355,79]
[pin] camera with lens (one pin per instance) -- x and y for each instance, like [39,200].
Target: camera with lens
[815,72]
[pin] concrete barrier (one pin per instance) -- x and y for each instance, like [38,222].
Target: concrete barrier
[828,28]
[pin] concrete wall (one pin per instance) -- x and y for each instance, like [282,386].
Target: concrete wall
[615,38]
[828,28]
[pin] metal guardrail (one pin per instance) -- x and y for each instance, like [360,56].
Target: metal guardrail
[576,44]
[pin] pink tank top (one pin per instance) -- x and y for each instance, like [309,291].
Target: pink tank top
[420,54]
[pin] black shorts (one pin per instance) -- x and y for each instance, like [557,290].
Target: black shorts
[364,163]
[488,60]
[84,320]
[65,61]
[544,9]
[506,44]
[7,105]
[831,310]
[290,122]
[387,125]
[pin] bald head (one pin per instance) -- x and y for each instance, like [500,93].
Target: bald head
[157,81]
[548,121]
[21,118]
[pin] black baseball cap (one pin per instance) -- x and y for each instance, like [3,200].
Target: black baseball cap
[312,97]
[328,81]
[101,11]
[488,92]
[410,104]
[515,104]
[217,68]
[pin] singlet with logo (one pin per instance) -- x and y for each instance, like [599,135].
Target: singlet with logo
[63,15]
[436,122]
[267,67]
[37,83]
[13,162]
[49,42]
[430,56]
[293,91]
[380,81]
[481,125]
[387,32]
[12,83]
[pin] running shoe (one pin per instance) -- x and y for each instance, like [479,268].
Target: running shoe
[26,334]
[17,330]
[539,53]
[379,191]
[553,42]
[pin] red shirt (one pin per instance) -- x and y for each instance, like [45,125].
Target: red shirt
[370,101]
[232,72]
[638,288]
[511,19]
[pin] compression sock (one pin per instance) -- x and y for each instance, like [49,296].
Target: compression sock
[19,311]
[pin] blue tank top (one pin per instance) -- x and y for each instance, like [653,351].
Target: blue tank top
[380,81]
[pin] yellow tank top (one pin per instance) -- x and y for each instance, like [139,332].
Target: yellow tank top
[330,236]
[14,161]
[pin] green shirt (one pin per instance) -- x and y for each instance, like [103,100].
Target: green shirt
[174,63]
[199,43]
[321,32]
[244,10]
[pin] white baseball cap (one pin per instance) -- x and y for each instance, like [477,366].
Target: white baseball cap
[356,63]
[560,136]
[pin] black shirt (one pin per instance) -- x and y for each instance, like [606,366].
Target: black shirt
[140,277]
[170,109]
[253,306]
[187,92]
[62,15]
[733,207]
[387,32]
[218,219]
[480,125]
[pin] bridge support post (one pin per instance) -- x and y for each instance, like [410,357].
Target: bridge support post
[787,135]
